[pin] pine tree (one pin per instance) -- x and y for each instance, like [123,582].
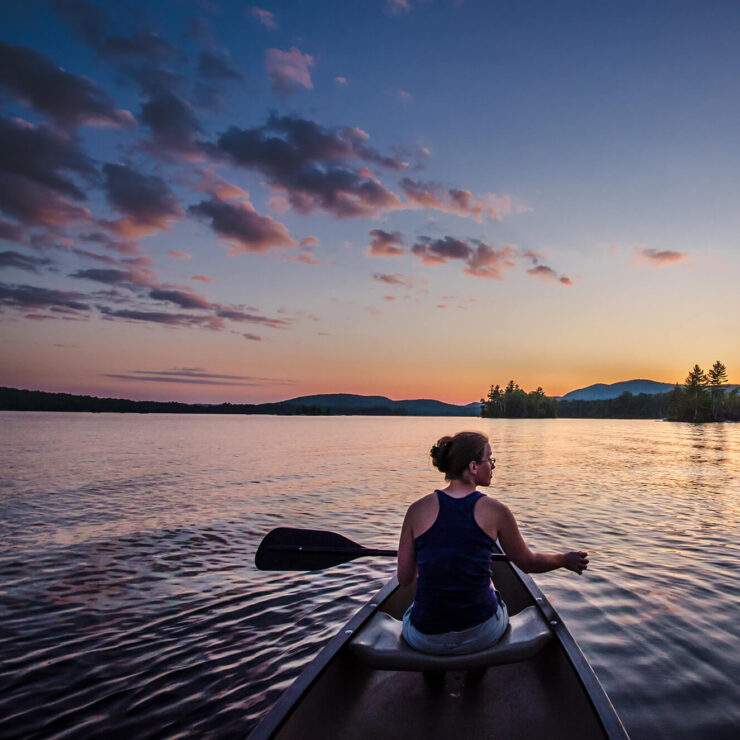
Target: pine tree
[695,384]
[717,378]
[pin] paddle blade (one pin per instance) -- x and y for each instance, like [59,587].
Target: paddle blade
[287,548]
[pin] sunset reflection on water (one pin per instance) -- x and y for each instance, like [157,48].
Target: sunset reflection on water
[130,600]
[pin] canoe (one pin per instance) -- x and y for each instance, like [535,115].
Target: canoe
[366,683]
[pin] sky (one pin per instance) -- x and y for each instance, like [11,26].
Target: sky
[214,201]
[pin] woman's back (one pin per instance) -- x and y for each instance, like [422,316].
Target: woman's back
[453,555]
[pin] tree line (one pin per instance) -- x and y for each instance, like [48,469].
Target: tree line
[514,403]
[703,397]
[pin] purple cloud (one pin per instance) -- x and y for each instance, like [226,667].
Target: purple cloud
[32,186]
[146,202]
[385,243]
[241,225]
[22,262]
[543,272]
[438,251]
[31,296]
[288,71]
[71,100]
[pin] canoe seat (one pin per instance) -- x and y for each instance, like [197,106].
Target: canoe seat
[380,645]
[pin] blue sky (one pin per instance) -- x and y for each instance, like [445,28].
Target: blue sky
[409,199]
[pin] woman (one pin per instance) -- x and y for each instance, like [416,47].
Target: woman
[448,536]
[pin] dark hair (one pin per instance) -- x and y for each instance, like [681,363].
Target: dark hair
[451,455]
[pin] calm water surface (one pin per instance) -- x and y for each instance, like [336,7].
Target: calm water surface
[129,603]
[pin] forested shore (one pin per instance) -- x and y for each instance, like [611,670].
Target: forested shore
[703,397]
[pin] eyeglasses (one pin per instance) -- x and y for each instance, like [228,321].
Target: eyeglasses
[491,460]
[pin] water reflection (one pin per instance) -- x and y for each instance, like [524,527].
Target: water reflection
[130,604]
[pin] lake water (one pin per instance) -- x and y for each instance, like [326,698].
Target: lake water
[130,605]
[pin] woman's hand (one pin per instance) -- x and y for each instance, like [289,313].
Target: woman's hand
[576,561]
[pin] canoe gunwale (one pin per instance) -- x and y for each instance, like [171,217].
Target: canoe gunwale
[603,708]
[280,711]
[600,702]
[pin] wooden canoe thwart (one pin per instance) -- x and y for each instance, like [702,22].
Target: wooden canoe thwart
[367,683]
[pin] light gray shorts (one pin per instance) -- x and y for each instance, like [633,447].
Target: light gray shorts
[470,640]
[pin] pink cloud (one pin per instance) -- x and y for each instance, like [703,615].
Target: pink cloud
[488,262]
[178,255]
[385,244]
[404,97]
[341,81]
[252,337]
[309,241]
[288,70]
[660,258]
[265,17]
[394,278]
[212,184]
[457,200]
[395,7]
[202,278]
[543,272]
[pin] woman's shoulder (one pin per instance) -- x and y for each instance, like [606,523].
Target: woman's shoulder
[423,503]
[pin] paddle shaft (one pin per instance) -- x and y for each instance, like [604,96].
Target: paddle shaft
[360,551]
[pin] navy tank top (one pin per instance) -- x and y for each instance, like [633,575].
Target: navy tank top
[453,589]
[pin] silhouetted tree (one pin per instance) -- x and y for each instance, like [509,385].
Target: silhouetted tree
[695,384]
[717,378]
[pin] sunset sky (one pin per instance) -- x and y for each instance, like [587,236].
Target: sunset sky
[210,201]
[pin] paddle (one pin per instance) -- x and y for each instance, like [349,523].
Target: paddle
[286,548]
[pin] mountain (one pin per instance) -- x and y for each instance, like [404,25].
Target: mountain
[600,391]
[348,403]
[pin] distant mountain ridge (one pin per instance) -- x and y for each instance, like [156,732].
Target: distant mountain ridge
[350,402]
[602,391]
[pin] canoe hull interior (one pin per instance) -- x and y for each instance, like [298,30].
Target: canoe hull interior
[544,696]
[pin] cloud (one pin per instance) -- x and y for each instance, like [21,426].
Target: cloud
[160,317]
[439,251]
[305,256]
[660,258]
[30,296]
[95,23]
[217,67]
[32,186]
[180,298]
[396,7]
[394,278]
[175,131]
[241,225]
[385,244]
[71,100]
[146,202]
[455,200]
[312,167]
[22,262]
[109,276]
[404,97]
[186,375]
[252,337]
[212,184]
[202,278]
[288,71]
[176,254]
[481,260]
[543,272]
[11,232]
[487,262]
[235,313]
[265,17]
[341,81]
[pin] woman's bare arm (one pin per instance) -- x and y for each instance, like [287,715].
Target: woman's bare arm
[406,553]
[534,562]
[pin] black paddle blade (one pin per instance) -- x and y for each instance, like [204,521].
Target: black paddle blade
[287,548]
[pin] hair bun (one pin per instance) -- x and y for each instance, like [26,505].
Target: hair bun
[439,453]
